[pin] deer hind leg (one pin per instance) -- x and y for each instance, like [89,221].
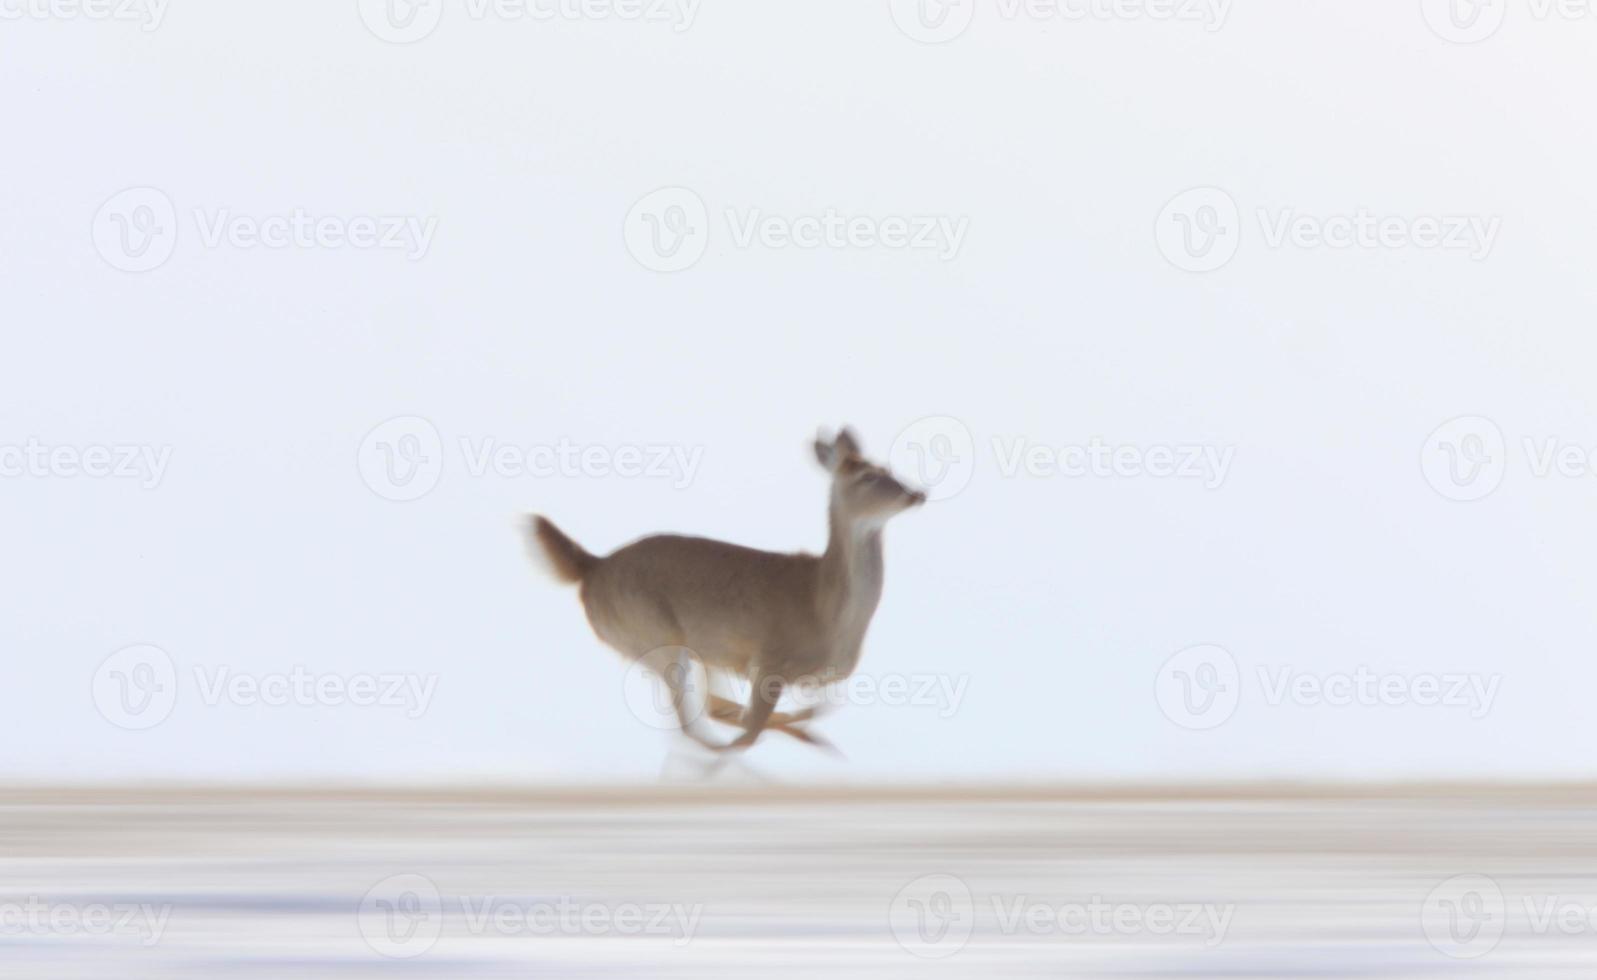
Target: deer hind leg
[788,723]
[675,667]
[729,711]
[767,692]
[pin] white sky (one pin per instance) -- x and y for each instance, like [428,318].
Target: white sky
[1054,599]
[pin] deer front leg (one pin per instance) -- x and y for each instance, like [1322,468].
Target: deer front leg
[727,710]
[767,692]
[678,680]
[788,723]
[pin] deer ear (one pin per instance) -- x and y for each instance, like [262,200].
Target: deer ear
[825,454]
[847,443]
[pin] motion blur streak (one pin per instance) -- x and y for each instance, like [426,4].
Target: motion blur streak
[789,881]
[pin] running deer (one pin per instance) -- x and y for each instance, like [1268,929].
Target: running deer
[772,619]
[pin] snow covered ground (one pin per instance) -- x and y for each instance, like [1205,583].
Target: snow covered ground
[790,881]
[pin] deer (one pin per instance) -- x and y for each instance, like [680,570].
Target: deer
[775,620]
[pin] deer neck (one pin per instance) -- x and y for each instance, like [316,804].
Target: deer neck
[850,587]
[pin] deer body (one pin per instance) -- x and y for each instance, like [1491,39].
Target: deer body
[771,618]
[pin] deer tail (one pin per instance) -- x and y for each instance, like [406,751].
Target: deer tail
[564,557]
